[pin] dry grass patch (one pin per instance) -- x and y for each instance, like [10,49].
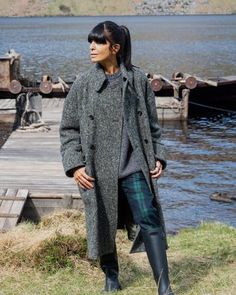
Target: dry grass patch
[56,242]
[50,259]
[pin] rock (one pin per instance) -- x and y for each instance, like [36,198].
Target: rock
[163,7]
[222,197]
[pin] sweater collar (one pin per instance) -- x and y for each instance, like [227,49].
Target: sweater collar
[100,77]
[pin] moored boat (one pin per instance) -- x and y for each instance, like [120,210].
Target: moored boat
[177,98]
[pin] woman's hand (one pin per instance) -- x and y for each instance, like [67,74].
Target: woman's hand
[84,180]
[156,173]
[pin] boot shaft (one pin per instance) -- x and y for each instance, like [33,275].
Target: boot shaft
[154,242]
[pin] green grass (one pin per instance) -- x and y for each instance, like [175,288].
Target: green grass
[49,258]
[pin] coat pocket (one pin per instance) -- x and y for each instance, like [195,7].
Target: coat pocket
[88,196]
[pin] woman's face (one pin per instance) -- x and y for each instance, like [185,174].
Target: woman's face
[100,53]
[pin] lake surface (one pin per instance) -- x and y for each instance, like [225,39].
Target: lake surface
[201,153]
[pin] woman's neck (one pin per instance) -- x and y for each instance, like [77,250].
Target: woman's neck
[110,68]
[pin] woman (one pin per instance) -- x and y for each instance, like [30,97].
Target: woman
[110,144]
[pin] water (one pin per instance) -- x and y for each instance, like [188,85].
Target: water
[202,160]
[204,45]
[201,153]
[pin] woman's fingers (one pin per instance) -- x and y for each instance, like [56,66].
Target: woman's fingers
[87,183]
[156,173]
[83,179]
[87,176]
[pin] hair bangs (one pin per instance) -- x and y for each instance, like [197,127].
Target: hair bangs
[97,35]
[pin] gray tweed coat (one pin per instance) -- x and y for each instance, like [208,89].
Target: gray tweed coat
[99,150]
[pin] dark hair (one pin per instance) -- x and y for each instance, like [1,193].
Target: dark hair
[115,34]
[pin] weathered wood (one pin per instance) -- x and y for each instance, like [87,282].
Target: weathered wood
[11,208]
[207,81]
[2,192]
[32,160]
[156,84]
[9,68]
[169,108]
[48,203]
[173,84]
[11,198]
[16,208]
[38,205]
[185,103]
[191,81]
[8,215]
[53,195]
[6,206]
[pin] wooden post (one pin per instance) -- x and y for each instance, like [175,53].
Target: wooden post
[191,81]
[185,101]
[156,84]
[174,84]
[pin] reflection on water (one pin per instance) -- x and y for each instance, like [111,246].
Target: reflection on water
[202,160]
[202,153]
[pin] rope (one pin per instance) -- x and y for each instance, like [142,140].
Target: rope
[213,108]
[25,126]
[29,110]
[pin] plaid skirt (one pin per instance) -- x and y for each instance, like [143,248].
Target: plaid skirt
[135,189]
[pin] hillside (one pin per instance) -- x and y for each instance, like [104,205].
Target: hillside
[113,7]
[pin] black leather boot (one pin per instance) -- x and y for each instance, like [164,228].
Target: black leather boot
[156,252]
[109,265]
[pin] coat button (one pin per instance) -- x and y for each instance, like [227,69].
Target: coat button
[92,147]
[124,79]
[140,113]
[91,117]
[145,140]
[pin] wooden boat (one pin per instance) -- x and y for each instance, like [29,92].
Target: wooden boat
[176,98]
[13,86]
[206,94]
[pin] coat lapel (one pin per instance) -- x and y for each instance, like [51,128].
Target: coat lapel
[99,77]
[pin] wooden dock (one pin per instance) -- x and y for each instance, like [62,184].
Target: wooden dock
[32,161]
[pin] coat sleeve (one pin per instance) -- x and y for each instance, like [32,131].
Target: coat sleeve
[159,149]
[71,149]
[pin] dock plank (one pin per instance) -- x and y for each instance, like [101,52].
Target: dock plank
[16,209]
[2,193]
[32,160]
[6,207]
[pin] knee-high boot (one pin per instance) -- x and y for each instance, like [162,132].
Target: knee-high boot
[156,252]
[109,265]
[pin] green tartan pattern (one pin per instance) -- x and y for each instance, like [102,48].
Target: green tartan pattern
[135,188]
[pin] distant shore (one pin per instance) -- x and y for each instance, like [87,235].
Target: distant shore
[23,8]
[122,15]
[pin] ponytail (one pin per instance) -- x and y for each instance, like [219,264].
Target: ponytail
[126,52]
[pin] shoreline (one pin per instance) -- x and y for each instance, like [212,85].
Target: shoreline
[118,15]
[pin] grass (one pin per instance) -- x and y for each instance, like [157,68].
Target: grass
[50,258]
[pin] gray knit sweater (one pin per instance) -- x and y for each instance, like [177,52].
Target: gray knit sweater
[128,164]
